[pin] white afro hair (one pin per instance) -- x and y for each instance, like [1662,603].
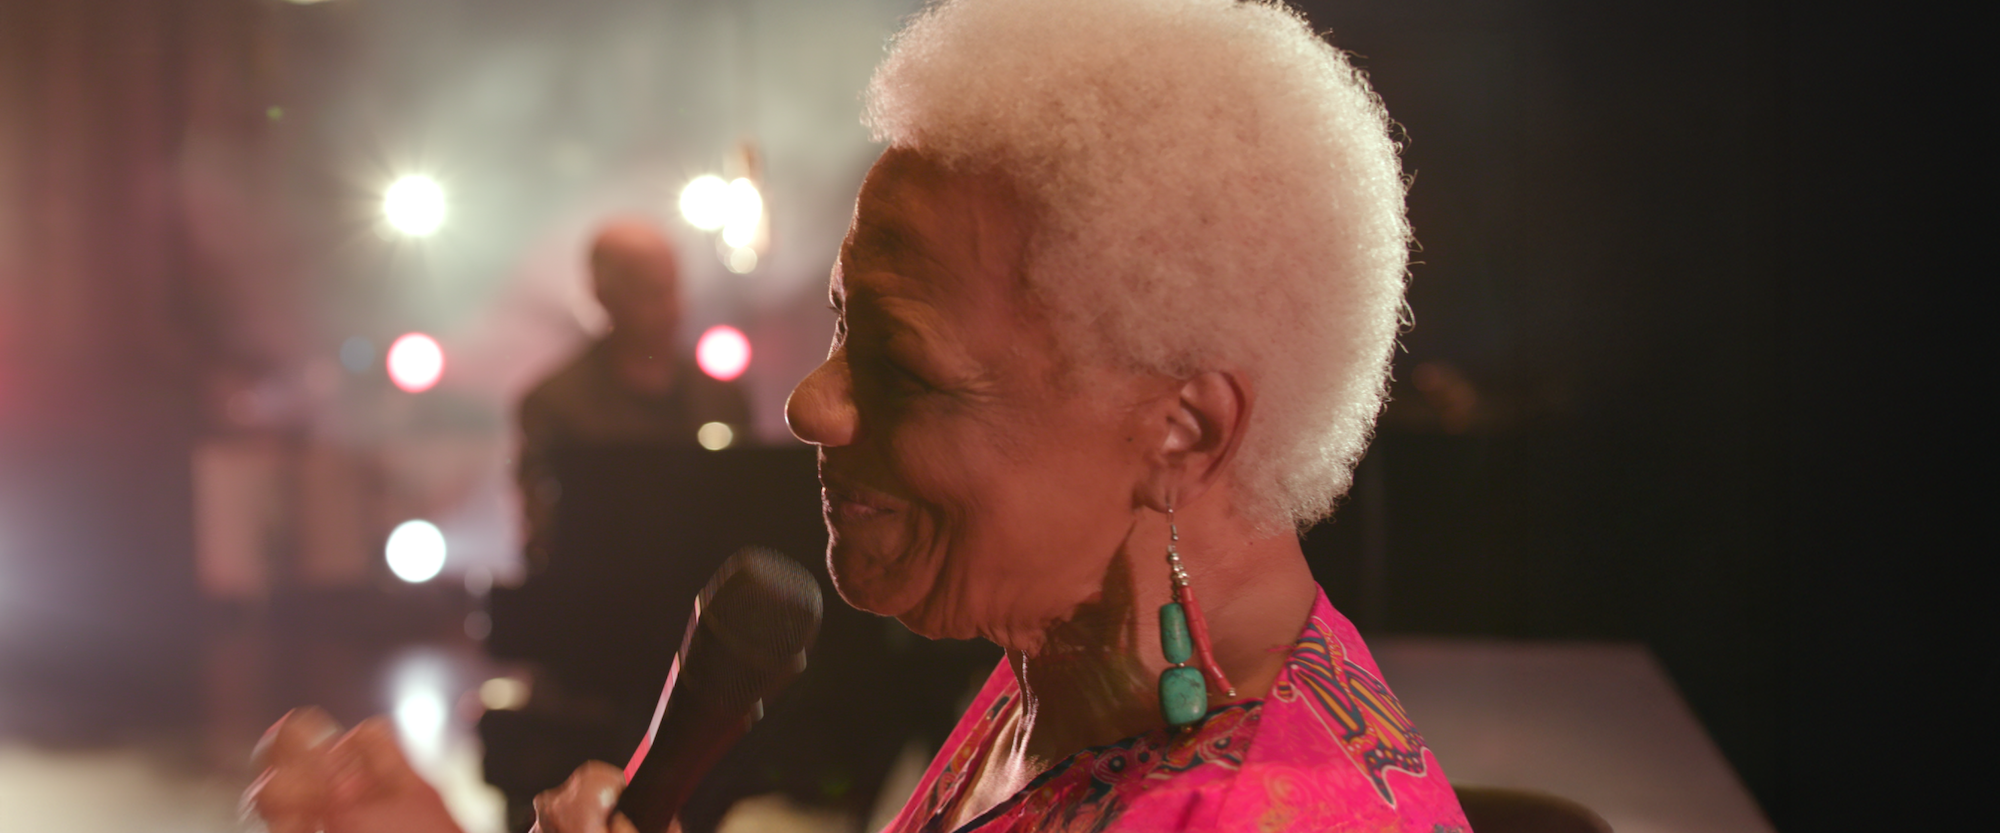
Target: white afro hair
[1216,189]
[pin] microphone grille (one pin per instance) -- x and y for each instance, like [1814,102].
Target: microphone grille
[764,606]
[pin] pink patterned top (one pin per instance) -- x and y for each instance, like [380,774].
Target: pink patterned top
[1330,749]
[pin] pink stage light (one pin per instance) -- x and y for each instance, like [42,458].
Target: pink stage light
[416,362]
[723,352]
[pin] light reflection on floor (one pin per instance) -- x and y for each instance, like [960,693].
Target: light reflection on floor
[163,776]
[173,778]
[118,791]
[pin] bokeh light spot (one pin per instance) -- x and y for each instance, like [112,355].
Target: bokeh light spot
[414,205]
[705,202]
[743,211]
[415,551]
[715,436]
[723,352]
[503,693]
[420,715]
[416,362]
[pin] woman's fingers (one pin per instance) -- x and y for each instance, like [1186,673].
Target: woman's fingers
[299,731]
[368,763]
[292,792]
[358,784]
[375,789]
[583,803]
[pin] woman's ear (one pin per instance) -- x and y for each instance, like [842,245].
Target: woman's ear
[1202,422]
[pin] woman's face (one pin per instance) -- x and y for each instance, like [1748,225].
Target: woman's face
[975,482]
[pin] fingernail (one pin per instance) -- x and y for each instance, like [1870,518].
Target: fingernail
[607,797]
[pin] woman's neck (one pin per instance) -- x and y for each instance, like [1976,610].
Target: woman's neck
[1093,680]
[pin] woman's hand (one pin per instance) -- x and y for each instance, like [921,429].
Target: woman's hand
[360,783]
[584,803]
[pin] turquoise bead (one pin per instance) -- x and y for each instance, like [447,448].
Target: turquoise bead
[1183,696]
[1174,639]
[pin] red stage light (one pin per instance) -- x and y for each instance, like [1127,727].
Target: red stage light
[415,362]
[723,352]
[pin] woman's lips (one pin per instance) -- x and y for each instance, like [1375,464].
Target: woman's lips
[846,503]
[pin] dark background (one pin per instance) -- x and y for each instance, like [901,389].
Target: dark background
[1701,262]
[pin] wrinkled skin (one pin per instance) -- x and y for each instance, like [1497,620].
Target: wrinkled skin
[967,465]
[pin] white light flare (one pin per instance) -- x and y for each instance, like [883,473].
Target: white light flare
[420,717]
[743,213]
[415,551]
[414,205]
[705,202]
[416,362]
[723,352]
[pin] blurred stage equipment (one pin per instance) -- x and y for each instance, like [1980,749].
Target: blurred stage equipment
[414,205]
[733,206]
[723,352]
[745,641]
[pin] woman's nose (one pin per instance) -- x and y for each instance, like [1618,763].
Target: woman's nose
[821,409]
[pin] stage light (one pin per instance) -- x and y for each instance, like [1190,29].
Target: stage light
[416,362]
[715,436]
[723,352]
[415,551]
[743,212]
[414,205]
[705,202]
[741,260]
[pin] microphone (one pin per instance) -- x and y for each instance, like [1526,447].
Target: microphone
[745,640]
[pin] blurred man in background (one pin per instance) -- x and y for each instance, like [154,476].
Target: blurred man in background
[632,387]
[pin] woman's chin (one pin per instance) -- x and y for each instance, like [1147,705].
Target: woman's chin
[869,584]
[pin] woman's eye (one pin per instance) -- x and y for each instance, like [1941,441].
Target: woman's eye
[908,378]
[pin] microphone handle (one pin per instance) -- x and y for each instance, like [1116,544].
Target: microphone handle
[707,705]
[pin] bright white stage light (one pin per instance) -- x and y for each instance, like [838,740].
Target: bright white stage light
[414,205]
[743,211]
[705,202]
[741,260]
[415,551]
[416,362]
[723,352]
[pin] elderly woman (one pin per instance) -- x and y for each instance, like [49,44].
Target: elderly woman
[1114,317]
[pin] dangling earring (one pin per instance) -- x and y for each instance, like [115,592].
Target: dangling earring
[1184,635]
